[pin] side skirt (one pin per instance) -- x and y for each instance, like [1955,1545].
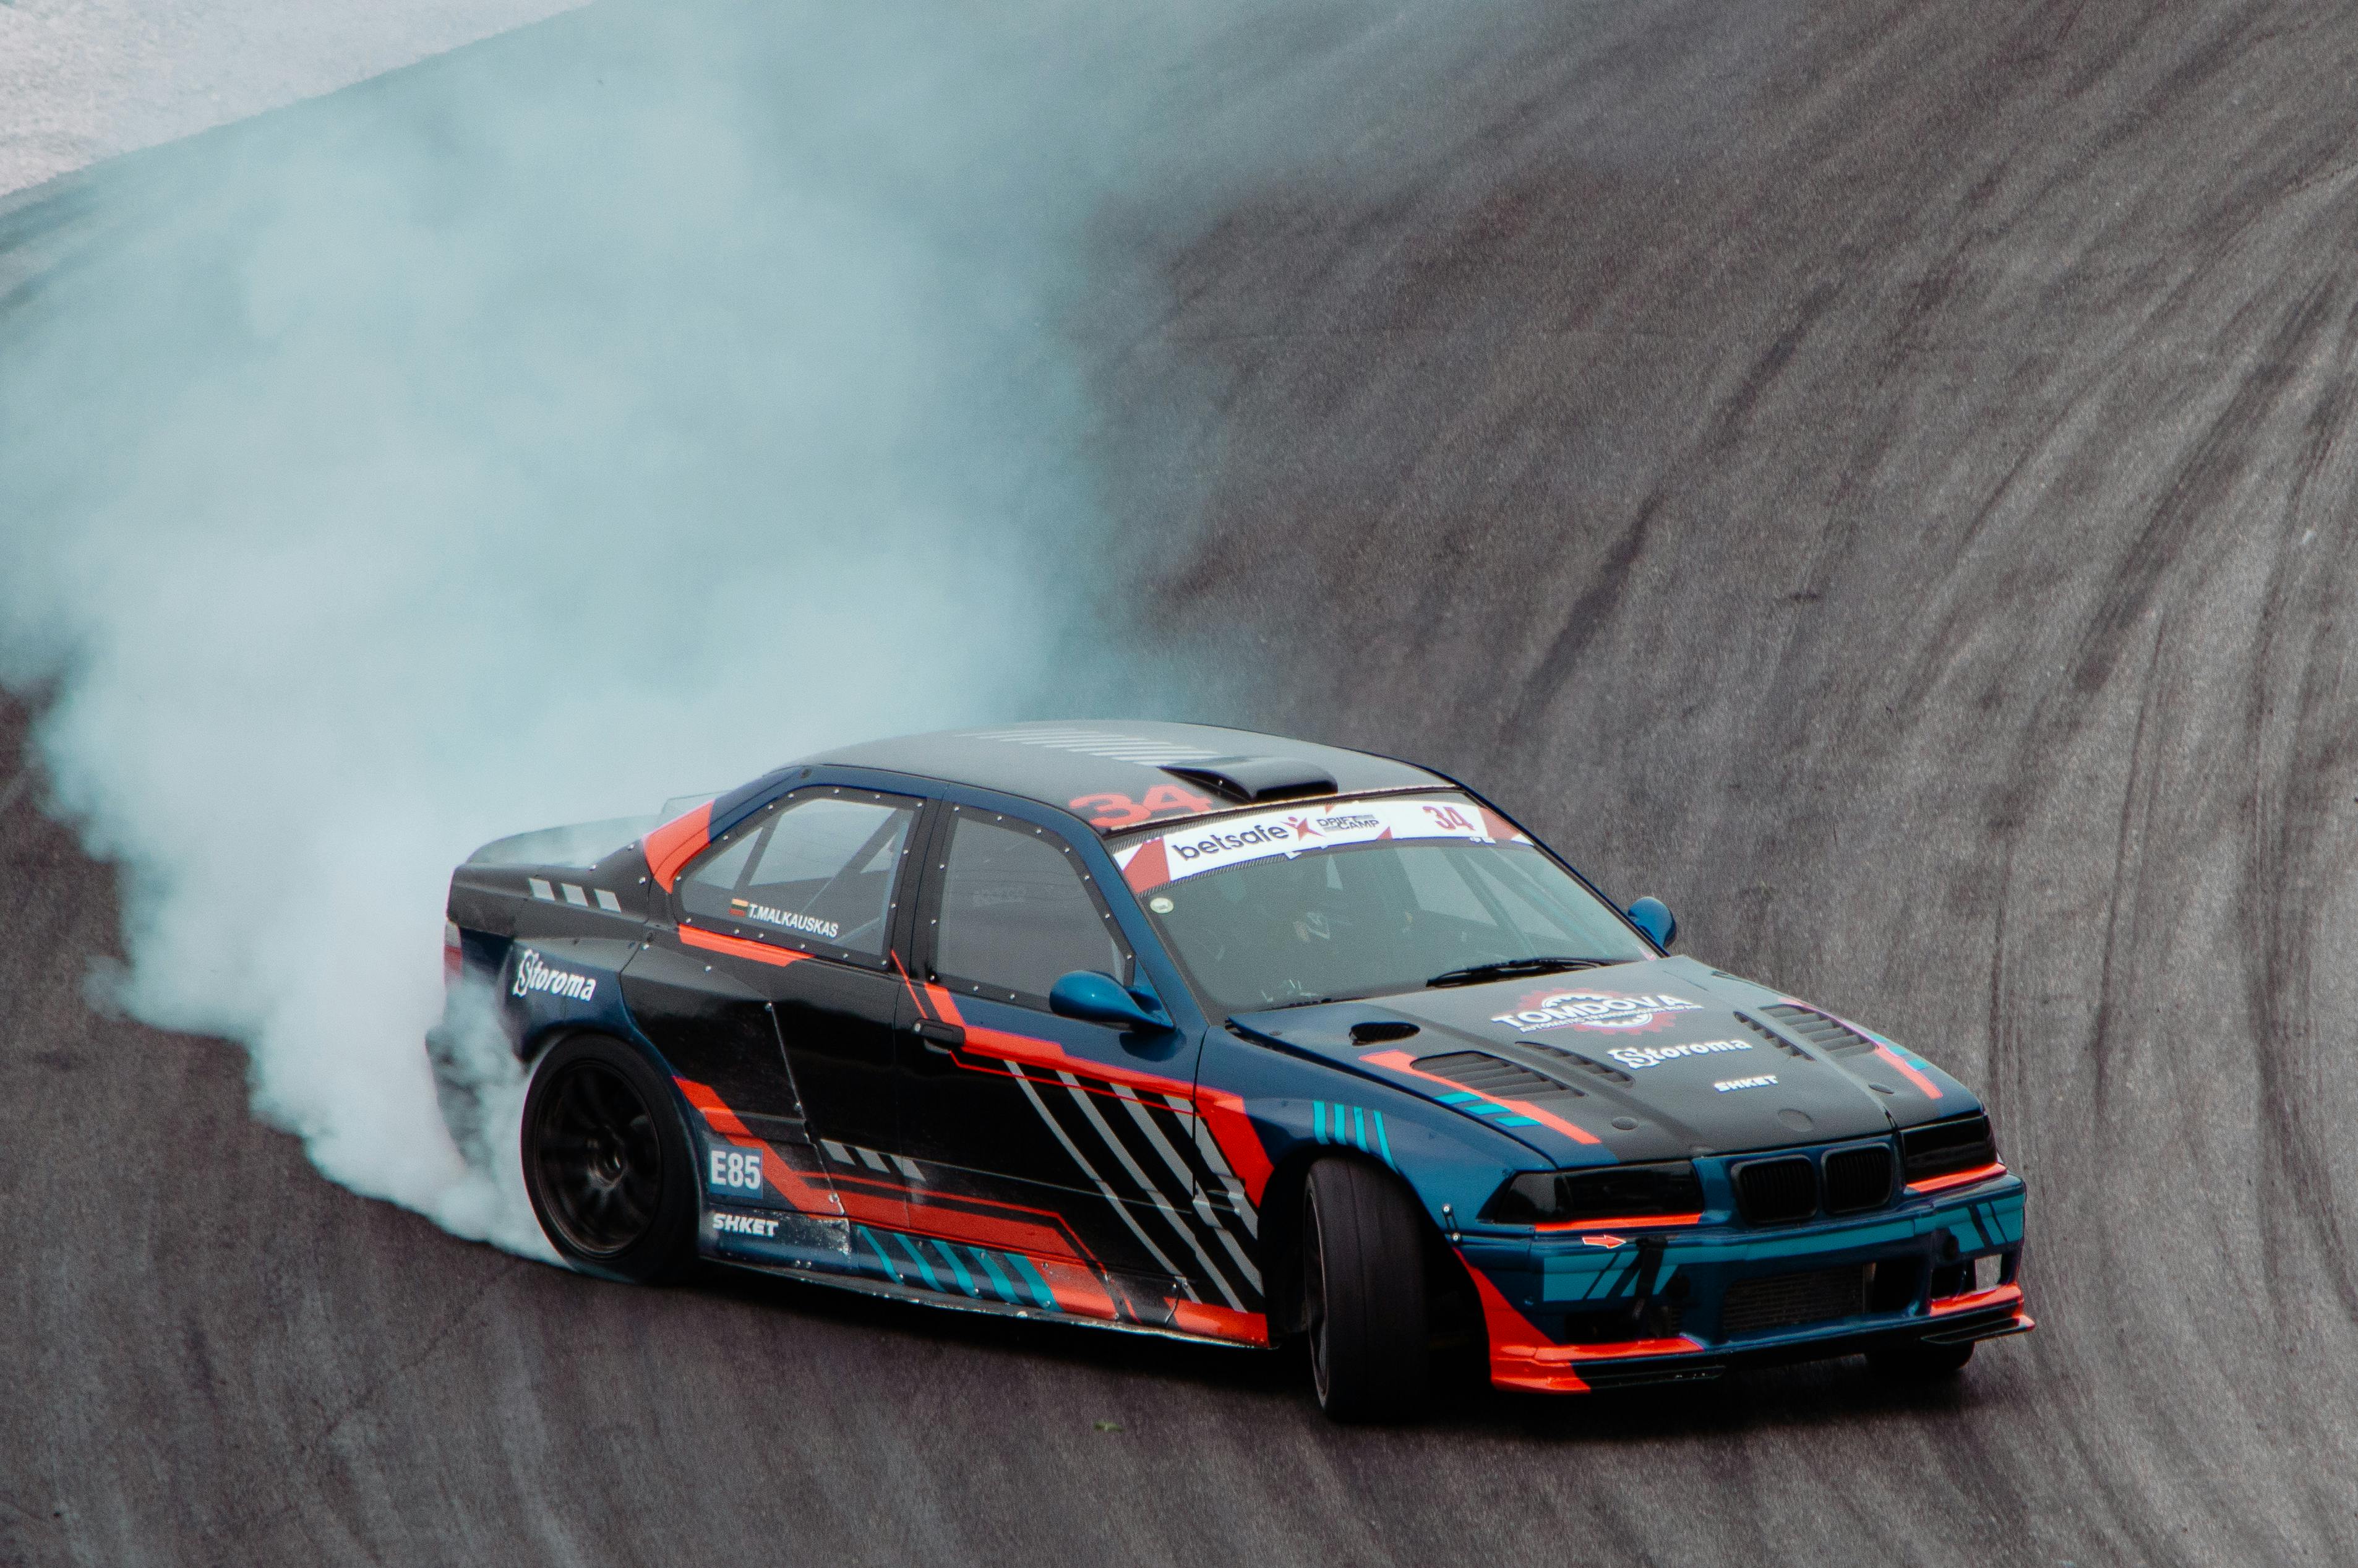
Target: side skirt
[860,1285]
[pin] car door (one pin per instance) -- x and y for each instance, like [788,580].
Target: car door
[778,981]
[1005,1101]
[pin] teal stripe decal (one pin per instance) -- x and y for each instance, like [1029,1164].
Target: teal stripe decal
[965,1280]
[998,1279]
[877,1246]
[1031,1276]
[919,1259]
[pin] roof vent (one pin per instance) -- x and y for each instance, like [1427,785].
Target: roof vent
[1253,779]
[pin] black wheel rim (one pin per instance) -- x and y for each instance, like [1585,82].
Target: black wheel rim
[598,1160]
[1314,1290]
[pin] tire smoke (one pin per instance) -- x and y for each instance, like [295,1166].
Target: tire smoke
[610,411]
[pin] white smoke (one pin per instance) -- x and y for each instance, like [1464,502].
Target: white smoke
[611,411]
[604,415]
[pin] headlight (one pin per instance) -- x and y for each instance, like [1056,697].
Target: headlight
[1614,1192]
[1942,1148]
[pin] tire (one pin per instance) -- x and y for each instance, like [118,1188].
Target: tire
[1363,1292]
[607,1162]
[1917,1362]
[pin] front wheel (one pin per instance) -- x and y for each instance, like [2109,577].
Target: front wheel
[607,1162]
[1363,1293]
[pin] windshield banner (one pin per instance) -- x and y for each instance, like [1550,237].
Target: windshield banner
[1190,852]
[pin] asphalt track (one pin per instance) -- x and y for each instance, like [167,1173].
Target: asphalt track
[1877,475]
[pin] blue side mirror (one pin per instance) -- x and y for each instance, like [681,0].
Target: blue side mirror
[1100,999]
[1653,917]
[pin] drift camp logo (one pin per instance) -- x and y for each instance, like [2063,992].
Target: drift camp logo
[1611,1011]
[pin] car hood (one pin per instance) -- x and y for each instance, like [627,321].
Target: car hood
[1652,1061]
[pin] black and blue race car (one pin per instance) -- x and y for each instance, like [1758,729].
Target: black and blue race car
[1195,1032]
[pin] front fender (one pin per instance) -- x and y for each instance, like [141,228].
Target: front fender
[1300,1108]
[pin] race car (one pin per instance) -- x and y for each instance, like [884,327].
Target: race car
[1194,1032]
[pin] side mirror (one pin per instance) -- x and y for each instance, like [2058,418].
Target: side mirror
[1100,999]
[1653,917]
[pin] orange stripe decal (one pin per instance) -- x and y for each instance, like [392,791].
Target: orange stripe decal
[1924,1086]
[1040,1234]
[1634,1222]
[1231,1127]
[1007,1235]
[1076,1289]
[1223,1111]
[1402,1062]
[1218,1322]
[1148,869]
[1515,1344]
[1048,1054]
[914,1000]
[1997,1295]
[1680,1345]
[677,842]
[807,1195]
[1958,1178]
[738,947]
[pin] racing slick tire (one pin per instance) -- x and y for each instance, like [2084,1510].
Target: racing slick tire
[1363,1292]
[607,1162]
[1917,1362]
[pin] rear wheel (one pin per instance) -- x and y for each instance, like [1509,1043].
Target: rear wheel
[1917,1362]
[1363,1292]
[607,1162]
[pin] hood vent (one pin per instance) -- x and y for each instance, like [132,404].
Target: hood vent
[1771,1036]
[1495,1077]
[1575,1062]
[1249,780]
[1827,1033]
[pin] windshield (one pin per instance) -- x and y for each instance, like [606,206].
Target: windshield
[1363,898]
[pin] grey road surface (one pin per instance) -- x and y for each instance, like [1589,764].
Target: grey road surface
[1877,475]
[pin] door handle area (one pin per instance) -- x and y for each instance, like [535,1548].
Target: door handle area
[940,1037]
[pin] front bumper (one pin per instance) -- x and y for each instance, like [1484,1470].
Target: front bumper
[1574,1310]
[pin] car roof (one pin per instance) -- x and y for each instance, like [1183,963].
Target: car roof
[1067,765]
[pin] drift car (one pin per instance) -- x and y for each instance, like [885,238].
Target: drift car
[1193,1031]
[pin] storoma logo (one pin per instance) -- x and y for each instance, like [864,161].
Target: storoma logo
[1653,1056]
[1596,1010]
[534,974]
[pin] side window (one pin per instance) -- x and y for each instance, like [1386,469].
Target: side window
[818,872]
[1016,912]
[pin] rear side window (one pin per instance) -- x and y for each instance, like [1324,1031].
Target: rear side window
[1016,914]
[818,872]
